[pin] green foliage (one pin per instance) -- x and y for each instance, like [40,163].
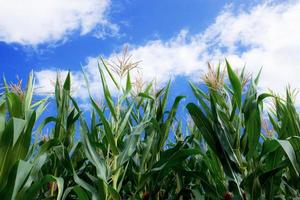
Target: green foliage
[134,146]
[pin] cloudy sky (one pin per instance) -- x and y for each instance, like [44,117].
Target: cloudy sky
[173,39]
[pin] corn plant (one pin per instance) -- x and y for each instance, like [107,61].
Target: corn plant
[231,129]
[62,153]
[17,117]
[128,143]
[136,146]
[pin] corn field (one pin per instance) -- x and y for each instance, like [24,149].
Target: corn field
[235,144]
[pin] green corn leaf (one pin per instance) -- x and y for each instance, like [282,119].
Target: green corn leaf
[2,118]
[125,120]
[37,164]
[29,92]
[110,74]
[261,97]
[41,106]
[81,194]
[67,83]
[88,187]
[14,105]
[236,85]
[18,176]
[253,127]
[22,145]
[128,84]
[45,122]
[258,76]
[201,97]
[19,125]
[203,125]
[290,153]
[130,145]
[108,132]
[36,187]
[144,95]
[169,121]
[163,102]
[107,94]
[113,193]
[91,153]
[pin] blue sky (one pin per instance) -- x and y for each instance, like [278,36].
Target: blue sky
[172,39]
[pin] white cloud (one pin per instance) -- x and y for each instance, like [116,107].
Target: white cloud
[33,22]
[266,35]
[270,36]
[45,81]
